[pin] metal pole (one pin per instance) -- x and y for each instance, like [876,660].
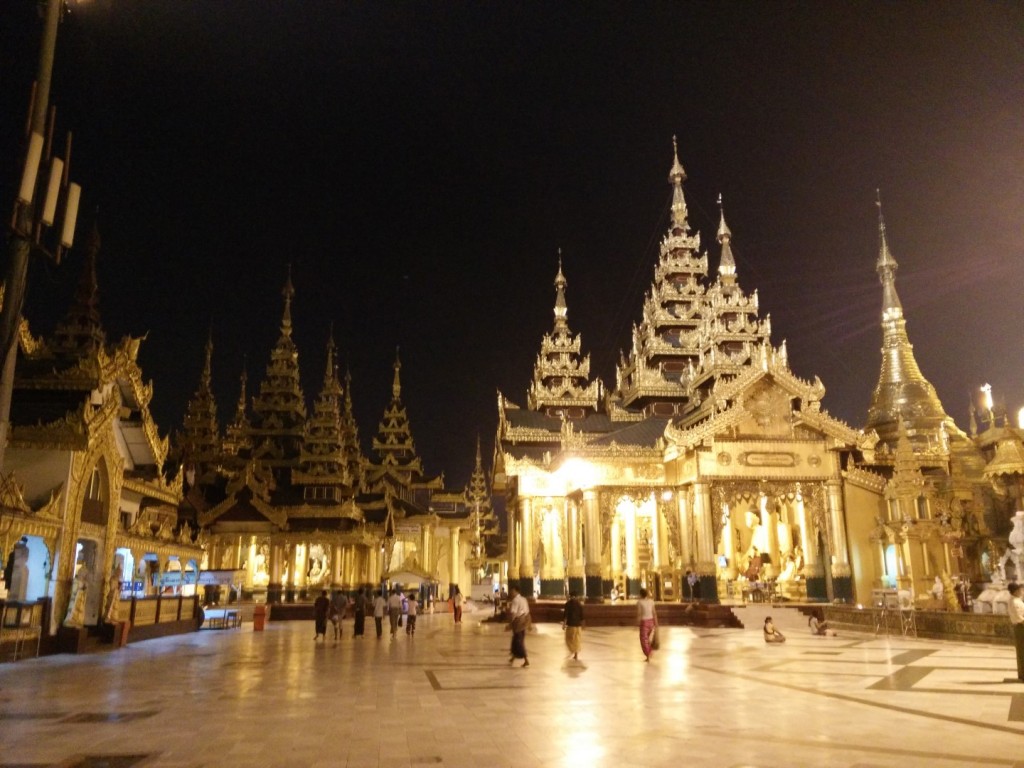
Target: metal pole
[20,246]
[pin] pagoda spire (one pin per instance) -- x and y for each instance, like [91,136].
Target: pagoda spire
[322,458]
[393,444]
[351,451]
[903,394]
[235,434]
[279,410]
[561,309]
[727,264]
[288,292]
[676,177]
[81,330]
[201,441]
[561,383]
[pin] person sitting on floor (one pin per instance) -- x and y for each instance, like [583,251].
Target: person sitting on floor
[820,627]
[771,634]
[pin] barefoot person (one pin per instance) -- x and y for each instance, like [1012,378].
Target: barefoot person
[572,621]
[771,634]
[518,622]
[321,606]
[647,618]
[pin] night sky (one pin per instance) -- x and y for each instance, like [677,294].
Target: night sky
[420,164]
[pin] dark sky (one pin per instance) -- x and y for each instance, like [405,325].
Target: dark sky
[420,164]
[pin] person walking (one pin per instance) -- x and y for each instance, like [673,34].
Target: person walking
[321,607]
[518,622]
[339,607]
[572,622]
[359,611]
[647,618]
[410,615]
[395,610]
[457,601]
[380,605]
[1015,609]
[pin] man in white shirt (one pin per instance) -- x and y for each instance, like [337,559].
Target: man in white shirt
[379,608]
[519,622]
[1015,609]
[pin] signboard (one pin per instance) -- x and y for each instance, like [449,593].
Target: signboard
[221,577]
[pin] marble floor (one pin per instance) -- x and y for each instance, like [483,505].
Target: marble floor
[447,697]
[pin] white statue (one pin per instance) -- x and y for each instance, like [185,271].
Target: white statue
[112,614]
[938,590]
[76,605]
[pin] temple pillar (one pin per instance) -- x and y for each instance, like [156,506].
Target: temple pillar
[729,573]
[274,584]
[574,530]
[768,519]
[632,575]
[552,573]
[686,554]
[704,526]
[426,548]
[455,570]
[842,581]
[513,548]
[616,551]
[593,545]
[337,576]
[526,553]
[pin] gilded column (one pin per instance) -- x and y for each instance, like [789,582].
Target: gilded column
[337,577]
[526,553]
[552,574]
[702,513]
[454,564]
[593,546]
[574,531]
[728,543]
[274,586]
[632,576]
[687,556]
[616,550]
[842,583]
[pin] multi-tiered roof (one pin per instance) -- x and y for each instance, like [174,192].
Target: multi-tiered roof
[279,410]
[561,383]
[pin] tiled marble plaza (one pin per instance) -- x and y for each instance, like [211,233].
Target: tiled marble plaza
[447,697]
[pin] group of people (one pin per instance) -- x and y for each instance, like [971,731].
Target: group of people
[573,620]
[397,607]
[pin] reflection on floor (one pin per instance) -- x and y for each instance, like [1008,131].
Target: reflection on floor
[447,697]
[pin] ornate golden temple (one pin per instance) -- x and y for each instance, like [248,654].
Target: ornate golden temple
[712,471]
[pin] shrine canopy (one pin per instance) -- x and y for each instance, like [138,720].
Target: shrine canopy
[408,577]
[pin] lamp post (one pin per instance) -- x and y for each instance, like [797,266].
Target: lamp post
[29,218]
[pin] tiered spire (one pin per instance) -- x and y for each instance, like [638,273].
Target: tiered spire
[676,177]
[236,439]
[653,377]
[279,410]
[732,333]
[902,390]
[727,264]
[352,453]
[81,330]
[201,442]
[561,384]
[322,460]
[393,443]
